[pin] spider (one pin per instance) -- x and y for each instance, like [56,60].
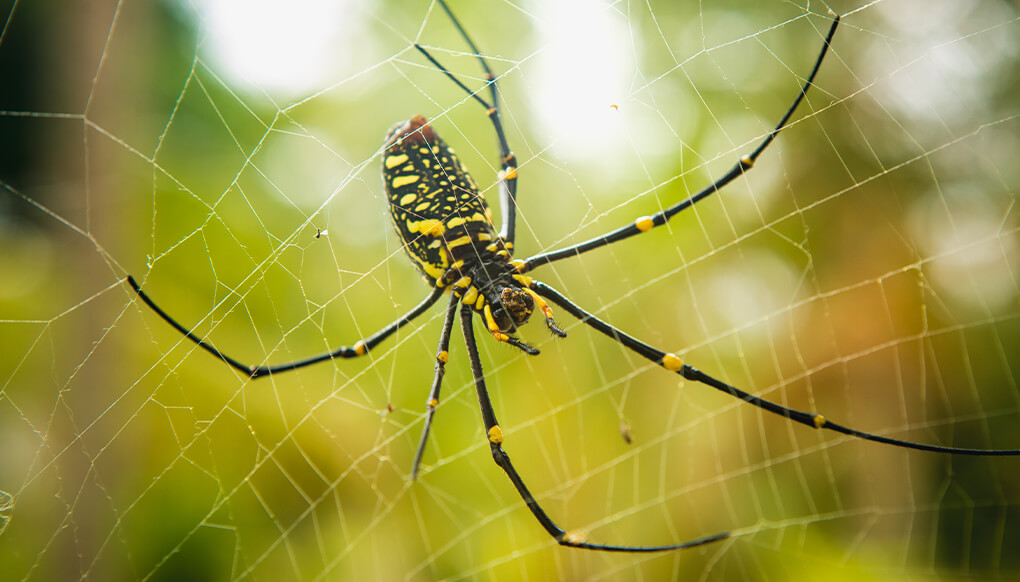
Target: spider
[447,230]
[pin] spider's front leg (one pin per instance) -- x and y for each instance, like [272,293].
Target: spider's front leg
[645,223]
[673,363]
[494,434]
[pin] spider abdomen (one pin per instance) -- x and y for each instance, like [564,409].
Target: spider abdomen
[435,205]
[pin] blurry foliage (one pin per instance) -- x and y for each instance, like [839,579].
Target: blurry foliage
[865,269]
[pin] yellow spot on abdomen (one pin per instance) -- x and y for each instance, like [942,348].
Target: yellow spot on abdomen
[429,226]
[434,271]
[395,160]
[404,180]
[407,199]
[460,241]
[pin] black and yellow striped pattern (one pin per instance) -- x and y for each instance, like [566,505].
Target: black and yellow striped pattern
[435,205]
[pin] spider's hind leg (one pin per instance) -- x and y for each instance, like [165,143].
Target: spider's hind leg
[674,364]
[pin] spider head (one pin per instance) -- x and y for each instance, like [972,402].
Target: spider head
[511,307]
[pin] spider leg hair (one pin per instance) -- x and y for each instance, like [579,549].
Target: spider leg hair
[494,434]
[442,356]
[672,363]
[358,349]
[646,223]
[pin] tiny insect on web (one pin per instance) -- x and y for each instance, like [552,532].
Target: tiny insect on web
[446,228]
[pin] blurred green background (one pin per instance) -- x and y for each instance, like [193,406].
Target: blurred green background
[866,269]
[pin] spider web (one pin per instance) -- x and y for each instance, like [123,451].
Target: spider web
[228,157]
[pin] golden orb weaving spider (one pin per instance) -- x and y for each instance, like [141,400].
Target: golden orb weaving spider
[446,229]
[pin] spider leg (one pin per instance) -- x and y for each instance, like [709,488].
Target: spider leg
[508,162]
[494,435]
[358,349]
[673,363]
[442,356]
[646,223]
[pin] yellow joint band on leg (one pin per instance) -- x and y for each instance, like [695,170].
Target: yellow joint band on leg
[819,421]
[644,223]
[523,280]
[443,357]
[360,349]
[575,537]
[510,173]
[672,363]
[432,403]
[496,435]
[470,296]
[746,161]
[546,310]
